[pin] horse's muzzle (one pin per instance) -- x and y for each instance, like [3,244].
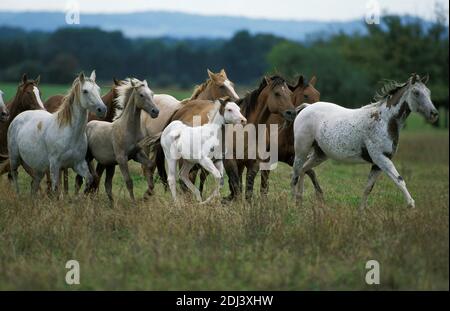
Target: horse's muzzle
[154,113]
[434,116]
[289,115]
[101,112]
[4,116]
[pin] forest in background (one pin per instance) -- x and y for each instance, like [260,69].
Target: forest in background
[349,67]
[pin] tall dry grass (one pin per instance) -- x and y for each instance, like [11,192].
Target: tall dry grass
[270,244]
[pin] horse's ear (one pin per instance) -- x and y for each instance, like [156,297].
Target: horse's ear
[37,80]
[313,81]
[300,82]
[116,82]
[132,83]
[24,78]
[223,73]
[425,79]
[267,80]
[81,77]
[210,74]
[145,82]
[414,78]
[93,75]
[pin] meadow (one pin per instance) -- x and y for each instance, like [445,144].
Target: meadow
[269,244]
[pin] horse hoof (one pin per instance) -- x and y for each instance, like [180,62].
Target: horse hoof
[412,205]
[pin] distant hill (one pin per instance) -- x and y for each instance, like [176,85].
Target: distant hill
[179,25]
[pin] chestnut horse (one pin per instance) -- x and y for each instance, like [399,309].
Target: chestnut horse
[27,98]
[302,92]
[53,103]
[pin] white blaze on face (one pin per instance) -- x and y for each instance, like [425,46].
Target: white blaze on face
[230,88]
[38,97]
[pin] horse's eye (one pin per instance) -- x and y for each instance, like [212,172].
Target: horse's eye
[141,95]
[85,91]
[229,110]
[277,94]
[416,93]
[222,87]
[305,96]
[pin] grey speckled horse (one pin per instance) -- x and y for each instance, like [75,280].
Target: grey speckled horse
[366,135]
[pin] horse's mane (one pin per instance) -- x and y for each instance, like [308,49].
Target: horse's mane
[199,89]
[249,102]
[389,88]
[124,91]
[64,112]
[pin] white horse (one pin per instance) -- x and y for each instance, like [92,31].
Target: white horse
[43,141]
[4,113]
[199,144]
[366,135]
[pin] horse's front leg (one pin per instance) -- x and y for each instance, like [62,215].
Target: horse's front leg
[234,183]
[122,160]
[386,165]
[82,169]
[375,171]
[264,189]
[208,165]
[55,171]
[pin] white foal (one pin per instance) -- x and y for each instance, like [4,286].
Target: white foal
[366,135]
[199,144]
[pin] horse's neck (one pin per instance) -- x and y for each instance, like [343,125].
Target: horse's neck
[206,93]
[261,113]
[109,102]
[79,119]
[217,120]
[15,107]
[130,119]
[397,111]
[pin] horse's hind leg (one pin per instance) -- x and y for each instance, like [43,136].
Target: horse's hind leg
[37,177]
[142,158]
[264,189]
[203,176]
[375,171]
[171,177]
[66,181]
[315,182]
[252,171]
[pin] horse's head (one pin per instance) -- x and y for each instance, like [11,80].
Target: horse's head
[221,86]
[278,97]
[143,97]
[90,95]
[4,113]
[29,95]
[418,97]
[305,92]
[231,111]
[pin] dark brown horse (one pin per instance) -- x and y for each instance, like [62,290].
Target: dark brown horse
[272,97]
[27,98]
[53,103]
[302,92]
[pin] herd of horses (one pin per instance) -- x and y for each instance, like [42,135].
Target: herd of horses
[130,122]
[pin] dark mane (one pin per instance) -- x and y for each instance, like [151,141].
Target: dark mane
[389,88]
[249,102]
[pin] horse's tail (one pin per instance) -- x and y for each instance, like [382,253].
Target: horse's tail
[301,107]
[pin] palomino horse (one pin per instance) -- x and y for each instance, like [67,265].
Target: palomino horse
[117,142]
[43,141]
[27,98]
[302,92]
[272,97]
[198,145]
[216,86]
[4,113]
[52,105]
[366,135]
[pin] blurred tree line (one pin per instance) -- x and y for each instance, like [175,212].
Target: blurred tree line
[348,67]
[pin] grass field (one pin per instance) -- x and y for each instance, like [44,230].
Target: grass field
[270,244]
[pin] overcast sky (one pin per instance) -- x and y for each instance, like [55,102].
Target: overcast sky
[278,9]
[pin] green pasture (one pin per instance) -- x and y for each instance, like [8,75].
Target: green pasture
[269,244]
